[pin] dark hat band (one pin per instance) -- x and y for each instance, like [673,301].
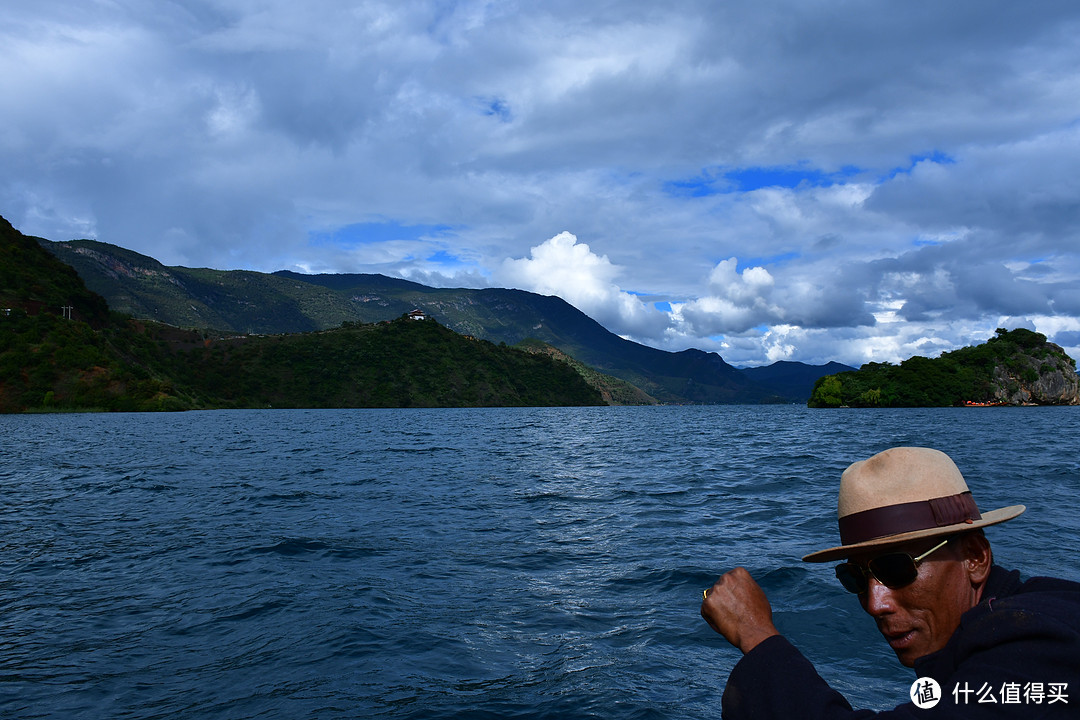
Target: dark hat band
[907,517]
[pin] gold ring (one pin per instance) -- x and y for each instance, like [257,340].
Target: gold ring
[705,593]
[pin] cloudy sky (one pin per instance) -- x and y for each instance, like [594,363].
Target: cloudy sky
[806,180]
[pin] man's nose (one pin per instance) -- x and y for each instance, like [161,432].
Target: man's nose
[878,599]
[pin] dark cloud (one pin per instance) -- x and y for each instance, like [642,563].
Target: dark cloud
[905,177]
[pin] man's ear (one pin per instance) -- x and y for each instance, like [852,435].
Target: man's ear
[978,558]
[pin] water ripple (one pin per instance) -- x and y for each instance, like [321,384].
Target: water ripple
[509,563]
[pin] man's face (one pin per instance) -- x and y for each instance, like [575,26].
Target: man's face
[919,618]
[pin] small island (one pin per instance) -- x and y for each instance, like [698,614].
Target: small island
[1015,367]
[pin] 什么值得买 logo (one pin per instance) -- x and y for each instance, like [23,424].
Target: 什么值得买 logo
[926,693]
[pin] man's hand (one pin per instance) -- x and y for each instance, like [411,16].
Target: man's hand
[736,607]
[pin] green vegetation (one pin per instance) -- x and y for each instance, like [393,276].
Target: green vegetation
[50,363]
[62,350]
[995,372]
[31,280]
[403,363]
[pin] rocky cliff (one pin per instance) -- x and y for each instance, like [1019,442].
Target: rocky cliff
[1046,377]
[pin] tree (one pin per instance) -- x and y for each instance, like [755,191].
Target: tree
[828,392]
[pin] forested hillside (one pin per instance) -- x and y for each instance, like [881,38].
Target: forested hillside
[245,302]
[62,349]
[1017,367]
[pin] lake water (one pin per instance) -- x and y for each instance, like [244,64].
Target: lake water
[534,563]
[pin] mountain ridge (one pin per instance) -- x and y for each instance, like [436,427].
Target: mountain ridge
[62,349]
[245,301]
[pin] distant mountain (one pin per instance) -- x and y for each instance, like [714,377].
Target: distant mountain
[62,349]
[229,301]
[287,302]
[613,390]
[793,379]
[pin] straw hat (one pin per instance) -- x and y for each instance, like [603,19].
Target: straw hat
[904,494]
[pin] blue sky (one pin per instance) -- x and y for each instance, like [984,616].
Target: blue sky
[369,233]
[768,180]
[747,179]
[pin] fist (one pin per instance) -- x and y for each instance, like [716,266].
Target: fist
[736,607]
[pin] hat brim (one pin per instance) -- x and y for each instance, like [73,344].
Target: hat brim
[842,551]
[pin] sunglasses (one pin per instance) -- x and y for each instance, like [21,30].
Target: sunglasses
[893,570]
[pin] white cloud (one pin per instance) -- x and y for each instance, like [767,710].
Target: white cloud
[562,266]
[940,192]
[736,302]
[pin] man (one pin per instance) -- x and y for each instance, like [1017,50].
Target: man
[923,570]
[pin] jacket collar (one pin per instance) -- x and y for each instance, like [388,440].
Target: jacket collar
[1001,583]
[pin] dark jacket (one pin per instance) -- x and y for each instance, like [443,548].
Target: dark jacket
[1019,636]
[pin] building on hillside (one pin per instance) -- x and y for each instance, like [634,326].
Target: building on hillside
[418,315]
